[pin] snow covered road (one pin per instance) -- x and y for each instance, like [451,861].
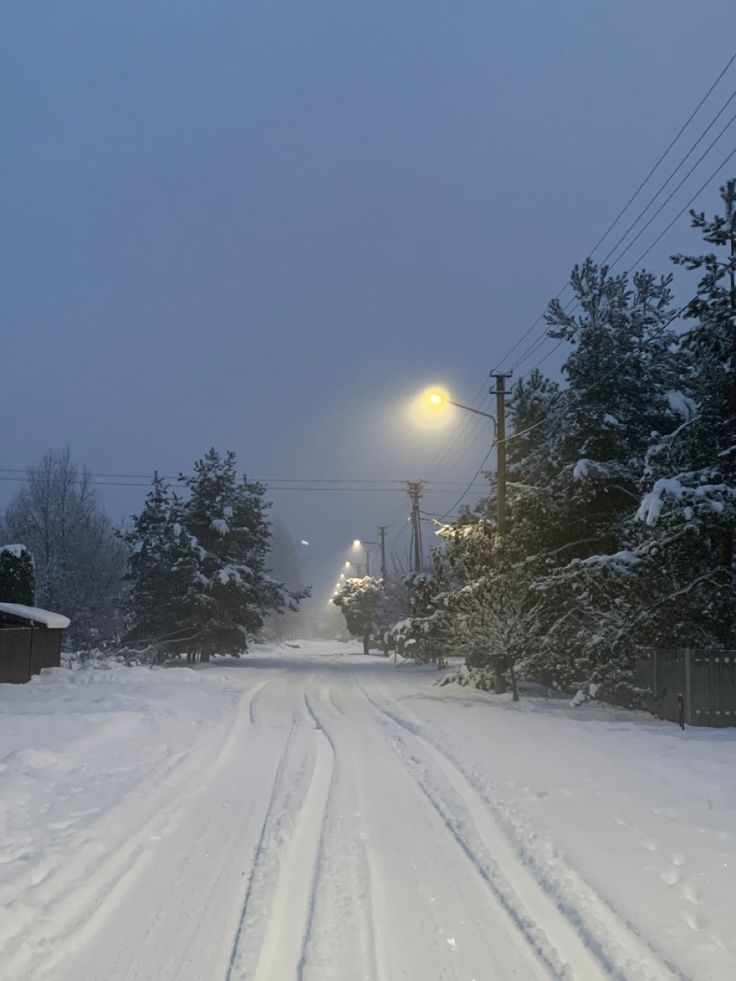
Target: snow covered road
[312,814]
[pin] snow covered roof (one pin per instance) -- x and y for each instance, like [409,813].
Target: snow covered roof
[54,621]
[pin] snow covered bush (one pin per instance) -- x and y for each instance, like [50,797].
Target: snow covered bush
[359,599]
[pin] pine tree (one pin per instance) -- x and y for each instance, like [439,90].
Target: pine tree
[619,373]
[575,462]
[689,510]
[165,600]
[226,519]
[17,579]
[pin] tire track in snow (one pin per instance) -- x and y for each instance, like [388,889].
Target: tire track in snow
[193,890]
[319,860]
[342,940]
[264,859]
[583,924]
[286,867]
[433,915]
[78,896]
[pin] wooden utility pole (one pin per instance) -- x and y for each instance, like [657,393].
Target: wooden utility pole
[414,490]
[728,542]
[499,682]
[382,540]
[500,392]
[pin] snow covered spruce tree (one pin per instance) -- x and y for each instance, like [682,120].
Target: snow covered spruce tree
[198,565]
[17,579]
[577,501]
[166,594]
[619,374]
[226,519]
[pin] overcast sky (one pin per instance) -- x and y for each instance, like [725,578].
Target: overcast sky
[264,225]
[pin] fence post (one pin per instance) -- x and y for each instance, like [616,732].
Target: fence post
[688,709]
[654,678]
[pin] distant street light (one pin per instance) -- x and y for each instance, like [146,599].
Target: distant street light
[358,544]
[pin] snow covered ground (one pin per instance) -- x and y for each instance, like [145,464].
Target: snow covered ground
[318,815]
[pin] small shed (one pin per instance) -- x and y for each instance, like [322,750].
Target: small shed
[30,639]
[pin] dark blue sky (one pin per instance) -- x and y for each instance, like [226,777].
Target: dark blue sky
[263,225]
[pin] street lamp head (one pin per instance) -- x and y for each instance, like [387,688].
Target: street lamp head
[357,543]
[348,564]
[436,398]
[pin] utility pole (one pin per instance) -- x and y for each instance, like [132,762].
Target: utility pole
[367,562]
[500,392]
[414,490]
[382,540]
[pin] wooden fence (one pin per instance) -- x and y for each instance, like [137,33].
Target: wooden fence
[694,687]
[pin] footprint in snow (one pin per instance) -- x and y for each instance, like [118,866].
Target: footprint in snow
[670,876]
[692,919]
[691,894]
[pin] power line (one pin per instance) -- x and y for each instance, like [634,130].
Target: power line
[676,189]
[541,340]
[536,344]
[685,207]
[263,480]
[674,140]
[650,202]
[275,488]
[470,485]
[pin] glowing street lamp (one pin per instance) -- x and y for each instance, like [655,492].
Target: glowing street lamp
[437,399]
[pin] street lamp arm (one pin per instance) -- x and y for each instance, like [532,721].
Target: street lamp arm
[477,412]
[469,408]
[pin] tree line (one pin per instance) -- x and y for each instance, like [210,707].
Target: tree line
[621,493]
[195,572]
